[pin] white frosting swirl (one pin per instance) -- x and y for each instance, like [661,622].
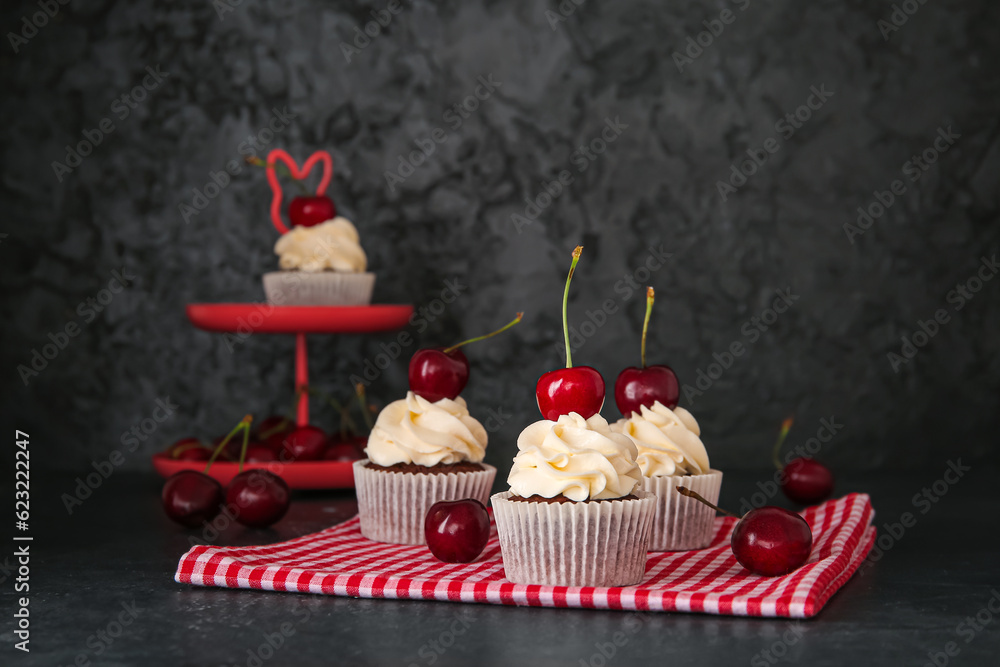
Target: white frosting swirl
[668,441]
[333,245]
[414,430]
[579,458]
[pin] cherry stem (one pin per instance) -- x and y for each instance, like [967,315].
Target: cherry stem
[786,426]
[280,168]
[684,491]
[186,447]
[569,278]
[449,350]
[246,440]
[343,409]
[359,389]
[244,424]
[276,429]
[650,297]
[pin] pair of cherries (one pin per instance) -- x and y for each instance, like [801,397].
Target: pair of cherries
[580,389]
[258,498]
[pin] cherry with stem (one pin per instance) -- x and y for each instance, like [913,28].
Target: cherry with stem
[638,387]
[803,479]
[769,541]
[438,373]
[577,389]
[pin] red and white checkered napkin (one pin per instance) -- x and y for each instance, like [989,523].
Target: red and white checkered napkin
[339,561]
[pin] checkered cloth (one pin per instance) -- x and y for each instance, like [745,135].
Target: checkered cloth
[339,561]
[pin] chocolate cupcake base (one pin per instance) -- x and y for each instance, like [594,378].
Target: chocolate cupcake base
[574,543]
[392,504]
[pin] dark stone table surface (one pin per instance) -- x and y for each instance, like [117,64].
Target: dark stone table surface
[112,561]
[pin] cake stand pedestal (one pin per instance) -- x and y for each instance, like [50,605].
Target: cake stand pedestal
[246,319]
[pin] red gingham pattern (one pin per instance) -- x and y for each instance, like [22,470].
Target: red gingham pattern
[339,561]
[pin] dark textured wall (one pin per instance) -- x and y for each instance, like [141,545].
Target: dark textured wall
[558,82]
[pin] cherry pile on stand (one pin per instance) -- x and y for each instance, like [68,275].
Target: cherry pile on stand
[256,497]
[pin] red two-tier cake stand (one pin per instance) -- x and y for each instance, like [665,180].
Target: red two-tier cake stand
[254,318]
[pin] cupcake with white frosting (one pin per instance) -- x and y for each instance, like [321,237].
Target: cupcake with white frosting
[576,514]
[419,453]
[321,265]
[671,454]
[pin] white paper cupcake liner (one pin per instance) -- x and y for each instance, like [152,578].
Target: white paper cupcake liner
[324,288]
[682,523]
[392,505]
[575,543]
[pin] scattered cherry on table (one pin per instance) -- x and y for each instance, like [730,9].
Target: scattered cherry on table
[804,480]
[770,541]
[191,498]
[457,530]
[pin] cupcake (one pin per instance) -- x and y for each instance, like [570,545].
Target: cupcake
[671,454]
[575,514]
[419,453]
[321,265]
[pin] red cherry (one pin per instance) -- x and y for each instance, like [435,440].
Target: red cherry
[771,541]
[309,211]
[191,498]
[349,449]
[271,425]
[276,442]
[259,453]
[305,443]
[200,453]
[259,497]
[436,374]
[189,449]
[636,387]
[579,389]
[807,481]
[457,530]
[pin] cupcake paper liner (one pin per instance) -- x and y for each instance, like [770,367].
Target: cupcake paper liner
[324,288]
[392,505]
[682,523]
[574,543]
